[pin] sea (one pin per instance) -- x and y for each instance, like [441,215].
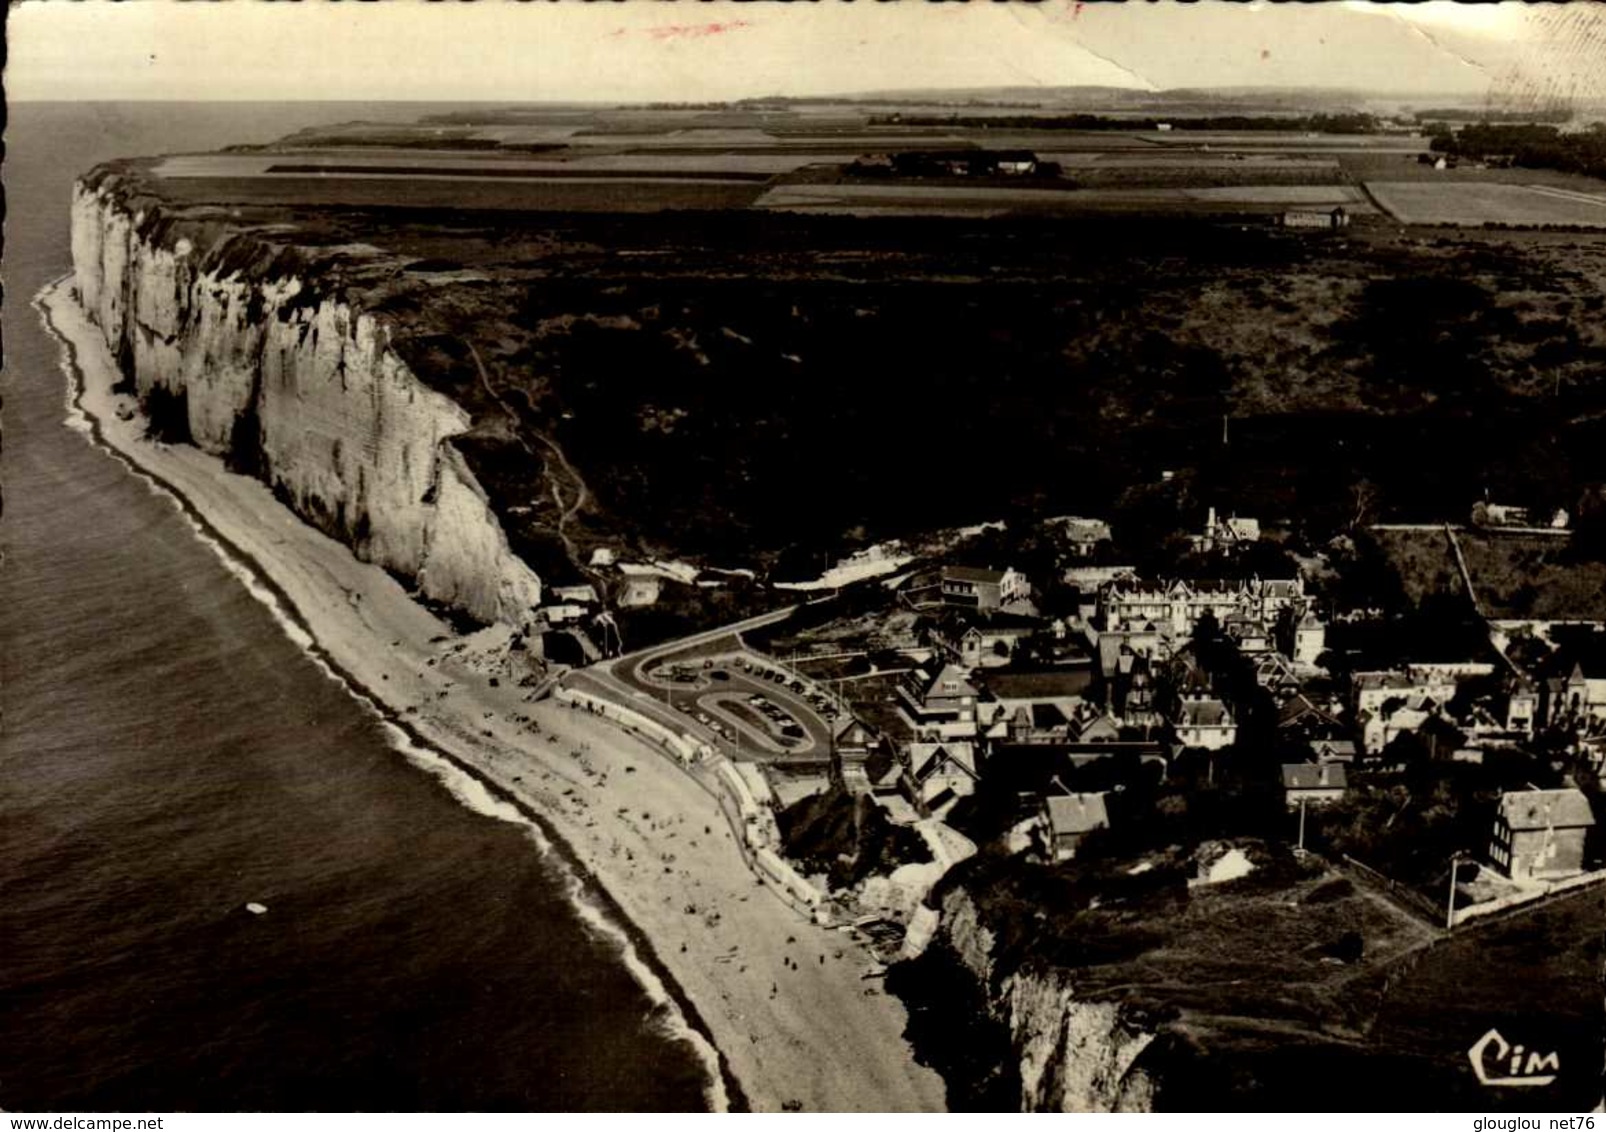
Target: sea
[169,755]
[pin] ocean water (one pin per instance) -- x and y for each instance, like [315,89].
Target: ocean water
[167,754]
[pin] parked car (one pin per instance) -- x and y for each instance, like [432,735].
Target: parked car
[720,674]
[796,685]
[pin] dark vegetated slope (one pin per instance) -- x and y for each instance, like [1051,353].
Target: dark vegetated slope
[742,385]
[847,837]
[796,387]
[1515,575]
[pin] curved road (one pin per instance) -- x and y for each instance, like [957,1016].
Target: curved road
[624,679]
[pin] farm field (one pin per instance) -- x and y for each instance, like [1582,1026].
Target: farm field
[1187,159]
[1406,167]
[872,199]
[1422,202]
[354,161]
[565,195]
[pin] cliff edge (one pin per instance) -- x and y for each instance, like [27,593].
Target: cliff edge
[220,334]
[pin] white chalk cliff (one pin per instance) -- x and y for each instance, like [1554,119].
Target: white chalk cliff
[1075,1054]
[306,395]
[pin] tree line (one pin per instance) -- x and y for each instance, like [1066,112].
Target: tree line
[1532,146]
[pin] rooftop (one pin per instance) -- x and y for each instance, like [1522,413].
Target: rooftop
[1543,809]
[1203,712]
[1063,684]
[1077,813]
[1314,776]
[975,574]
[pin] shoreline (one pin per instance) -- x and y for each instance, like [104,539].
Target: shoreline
[447,707]
[728,1096]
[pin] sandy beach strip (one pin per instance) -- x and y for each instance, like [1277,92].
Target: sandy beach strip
[651,856]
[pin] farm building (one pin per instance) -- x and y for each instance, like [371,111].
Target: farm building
[1539,834]
[1315,218]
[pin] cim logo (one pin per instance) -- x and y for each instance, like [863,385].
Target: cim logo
[1498,1062]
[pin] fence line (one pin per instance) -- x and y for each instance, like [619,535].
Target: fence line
[1522,901]
[1413,900]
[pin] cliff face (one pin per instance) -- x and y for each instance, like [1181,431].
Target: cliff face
[306,395]
[1074,1055]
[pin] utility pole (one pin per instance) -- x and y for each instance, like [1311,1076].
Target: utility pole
[1302,825]
[1449,911]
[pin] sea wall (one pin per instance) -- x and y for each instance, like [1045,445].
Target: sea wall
[1073,1053]
[302,392]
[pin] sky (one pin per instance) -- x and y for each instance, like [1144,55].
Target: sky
[686,50]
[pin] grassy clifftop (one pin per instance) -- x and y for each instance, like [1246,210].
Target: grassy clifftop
[737,385]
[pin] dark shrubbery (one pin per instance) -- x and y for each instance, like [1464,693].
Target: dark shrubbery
[1533,146]
[847,838]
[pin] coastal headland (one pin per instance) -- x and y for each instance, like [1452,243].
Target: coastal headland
[650,850]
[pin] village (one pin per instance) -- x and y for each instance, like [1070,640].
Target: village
[908,714]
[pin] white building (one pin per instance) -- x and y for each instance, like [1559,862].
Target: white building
[1310,640]
[1204,721]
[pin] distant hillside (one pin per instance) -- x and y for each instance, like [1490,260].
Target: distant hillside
[1198,99]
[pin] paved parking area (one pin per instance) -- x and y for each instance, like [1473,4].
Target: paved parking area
[737,698]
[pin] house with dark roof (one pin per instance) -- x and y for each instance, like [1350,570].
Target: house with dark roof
[979,588]
[1301,716]
[940,706]
[1132,691]
[1313,784]
[1248,633]
[853,745]
[1333,750]
[1275,673]
[1068,819]
[981,640]
[967,587]
[1540,834]
[939,774]
[1142,640]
